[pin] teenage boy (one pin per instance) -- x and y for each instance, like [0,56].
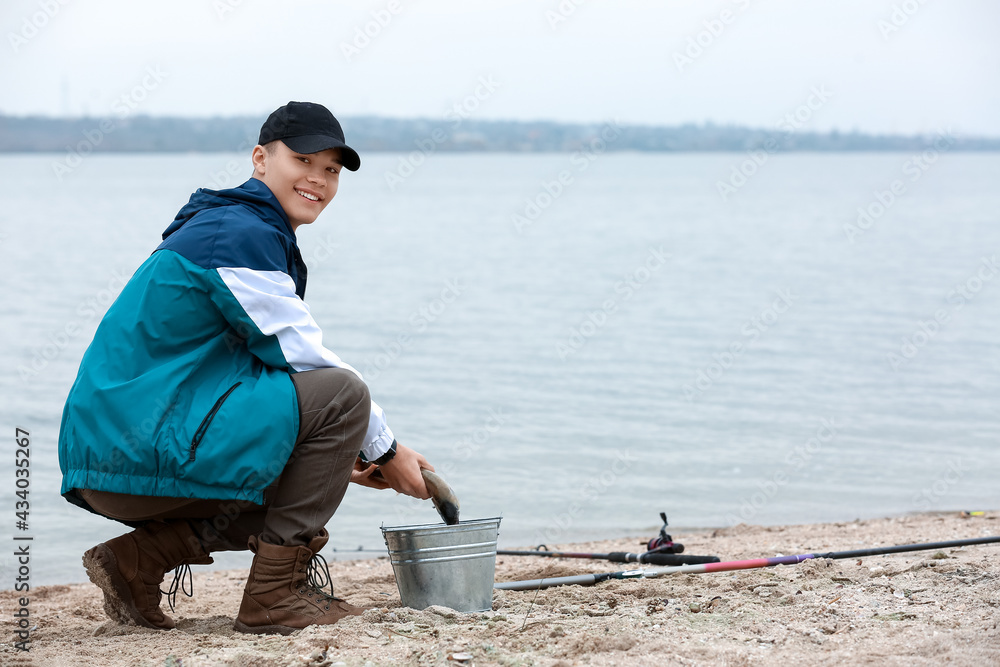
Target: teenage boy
[208,415]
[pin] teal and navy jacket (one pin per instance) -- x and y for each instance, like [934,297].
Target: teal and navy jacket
[186,388]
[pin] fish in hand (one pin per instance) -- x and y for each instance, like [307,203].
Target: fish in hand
[444,499]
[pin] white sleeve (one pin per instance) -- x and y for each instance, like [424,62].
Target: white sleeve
[270,301]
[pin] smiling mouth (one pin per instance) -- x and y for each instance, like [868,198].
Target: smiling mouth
[306,195]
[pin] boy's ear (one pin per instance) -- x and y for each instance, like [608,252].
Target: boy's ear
[259,158]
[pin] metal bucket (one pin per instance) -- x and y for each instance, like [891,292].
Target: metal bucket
[451,566]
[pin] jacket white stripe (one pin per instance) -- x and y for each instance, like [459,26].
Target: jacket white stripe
[269,299]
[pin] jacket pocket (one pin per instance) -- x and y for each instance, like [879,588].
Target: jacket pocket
[207,421]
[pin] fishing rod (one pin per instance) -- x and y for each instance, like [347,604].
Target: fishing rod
[660,550]
[726,566]
[649,558]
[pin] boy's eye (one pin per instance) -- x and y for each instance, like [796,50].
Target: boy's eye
[304,159]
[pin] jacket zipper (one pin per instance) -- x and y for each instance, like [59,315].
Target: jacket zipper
[207,421]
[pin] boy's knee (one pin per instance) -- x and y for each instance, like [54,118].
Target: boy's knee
[331,385]
[354,388]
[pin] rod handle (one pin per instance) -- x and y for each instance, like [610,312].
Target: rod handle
[660,559]
[676,559]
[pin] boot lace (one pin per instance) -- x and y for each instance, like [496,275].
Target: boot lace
[318,578]
[183,581]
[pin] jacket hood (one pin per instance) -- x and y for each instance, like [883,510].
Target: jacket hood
[253,194]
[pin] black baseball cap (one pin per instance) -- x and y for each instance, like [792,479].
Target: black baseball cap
[306,127]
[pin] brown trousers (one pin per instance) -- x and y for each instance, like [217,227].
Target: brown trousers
[334,408]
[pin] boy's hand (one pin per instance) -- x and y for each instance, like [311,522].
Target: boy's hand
[367,474]
[402,472]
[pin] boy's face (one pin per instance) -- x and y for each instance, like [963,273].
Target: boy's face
[304,183]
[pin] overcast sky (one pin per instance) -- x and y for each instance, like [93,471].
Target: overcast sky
[899,66]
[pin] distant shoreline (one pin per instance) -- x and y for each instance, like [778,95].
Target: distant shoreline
[455,134]
[887,151]
[388,151]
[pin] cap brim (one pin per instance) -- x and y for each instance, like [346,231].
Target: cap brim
[314,143]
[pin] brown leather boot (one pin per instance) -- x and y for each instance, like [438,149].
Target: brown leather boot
[284,591]
[130,568]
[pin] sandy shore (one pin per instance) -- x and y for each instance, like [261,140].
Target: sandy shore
[922,608]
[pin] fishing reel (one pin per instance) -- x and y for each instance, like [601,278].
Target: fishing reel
[664,544]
